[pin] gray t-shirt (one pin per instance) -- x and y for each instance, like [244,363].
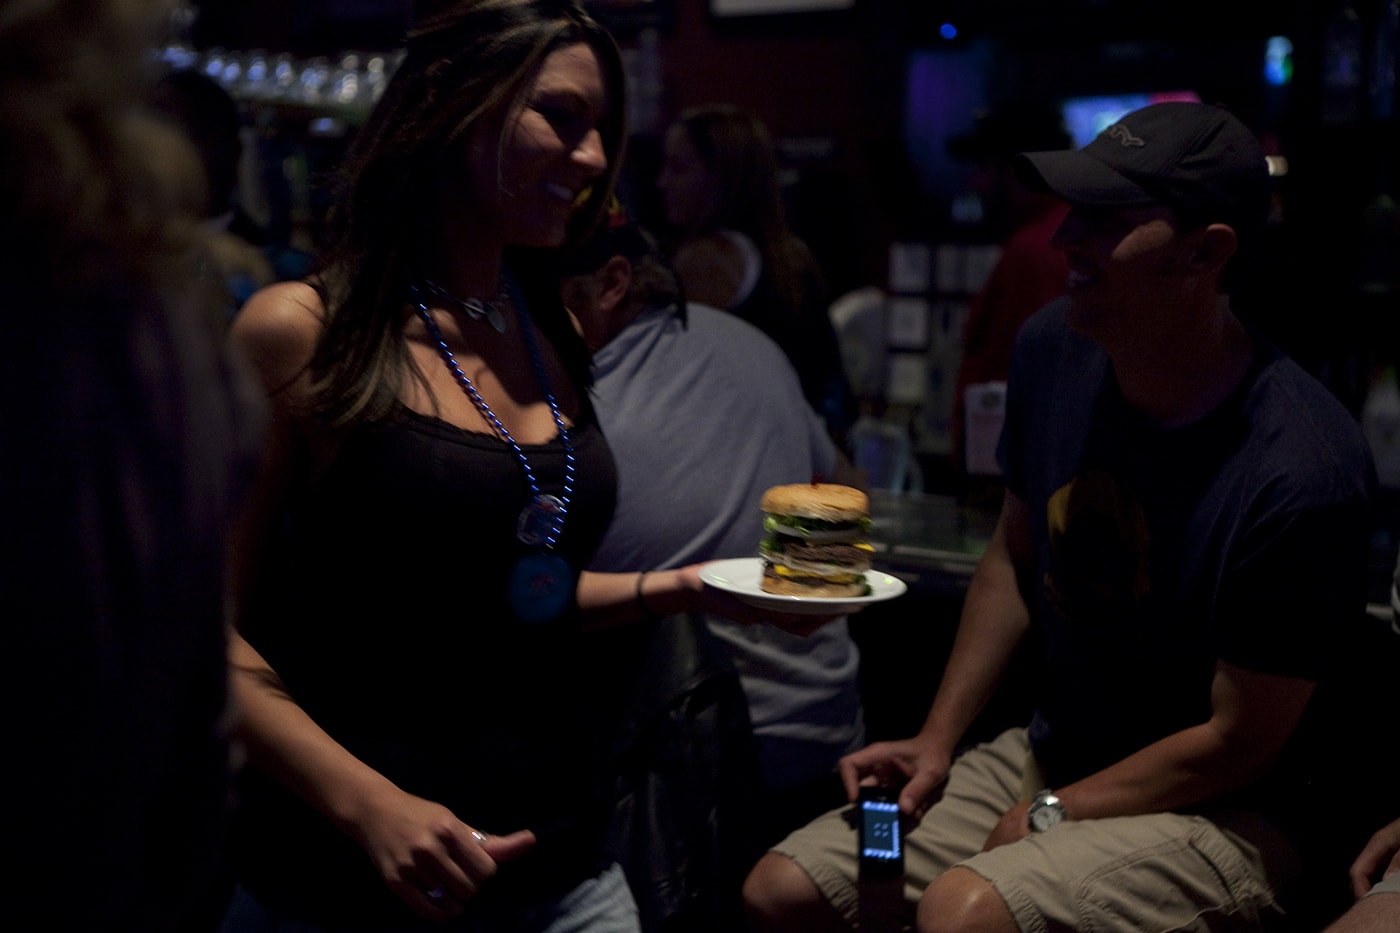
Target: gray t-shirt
[703,416]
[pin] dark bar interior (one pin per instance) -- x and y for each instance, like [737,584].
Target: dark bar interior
[890,120]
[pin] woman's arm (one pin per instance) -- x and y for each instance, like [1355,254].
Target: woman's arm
[418,846]
[612,599]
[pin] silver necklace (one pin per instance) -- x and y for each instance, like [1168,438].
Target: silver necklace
[542,582]
[475,308]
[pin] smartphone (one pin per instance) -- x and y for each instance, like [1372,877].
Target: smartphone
[881,845]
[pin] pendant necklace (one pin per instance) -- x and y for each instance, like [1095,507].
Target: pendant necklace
[542,582]
[474,308]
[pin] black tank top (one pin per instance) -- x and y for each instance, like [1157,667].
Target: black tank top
[384,610]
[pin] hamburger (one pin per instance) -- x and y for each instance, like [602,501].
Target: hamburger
[815,541]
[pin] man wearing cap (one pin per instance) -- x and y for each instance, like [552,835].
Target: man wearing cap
[1184,539]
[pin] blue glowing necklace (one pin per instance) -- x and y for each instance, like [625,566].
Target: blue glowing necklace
[542,582]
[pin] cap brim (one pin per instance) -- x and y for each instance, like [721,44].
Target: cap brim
[1079,178]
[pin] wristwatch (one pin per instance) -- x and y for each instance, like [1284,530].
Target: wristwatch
[1046,811]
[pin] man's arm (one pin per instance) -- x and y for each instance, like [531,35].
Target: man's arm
[994,620]
[1252,717]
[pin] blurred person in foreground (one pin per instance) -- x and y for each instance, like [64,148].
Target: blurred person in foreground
[124,442]
[1030,272]
[425,698]
[704,414]
[1184,536]
[732,246]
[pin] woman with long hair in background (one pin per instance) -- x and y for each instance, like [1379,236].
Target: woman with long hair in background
[734,250]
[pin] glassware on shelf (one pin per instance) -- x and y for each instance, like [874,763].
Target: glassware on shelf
[231,74]
[347,83]
[376,76]
[284,77]
[212,64]
[313,81]
[256,75]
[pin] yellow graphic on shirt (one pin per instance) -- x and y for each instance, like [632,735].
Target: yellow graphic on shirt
[1098,548]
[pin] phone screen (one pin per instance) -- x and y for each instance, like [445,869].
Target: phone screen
[881,849]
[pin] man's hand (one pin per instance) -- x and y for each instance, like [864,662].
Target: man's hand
[915,764]
[1379,857]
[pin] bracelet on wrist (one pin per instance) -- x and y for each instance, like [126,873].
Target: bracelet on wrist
[646,610]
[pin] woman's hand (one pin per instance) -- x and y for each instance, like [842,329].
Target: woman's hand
[431,860]
[718,602]
[610,599]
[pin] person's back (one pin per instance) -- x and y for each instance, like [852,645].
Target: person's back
[703,416]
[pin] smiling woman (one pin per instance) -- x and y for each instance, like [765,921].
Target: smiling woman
[418,659]
[434,477]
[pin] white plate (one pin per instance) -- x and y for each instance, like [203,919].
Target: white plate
[740,577]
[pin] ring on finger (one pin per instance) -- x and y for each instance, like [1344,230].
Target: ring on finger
[434,894]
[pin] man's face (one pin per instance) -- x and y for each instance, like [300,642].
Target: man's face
[1125,264]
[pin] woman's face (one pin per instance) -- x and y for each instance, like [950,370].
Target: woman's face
[684,181]
[526,178]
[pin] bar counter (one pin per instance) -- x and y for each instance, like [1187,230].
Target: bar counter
[932,542]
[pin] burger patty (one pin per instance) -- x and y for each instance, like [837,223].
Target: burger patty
[846,554]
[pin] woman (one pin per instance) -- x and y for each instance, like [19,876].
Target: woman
[420,702]
[734,250]
[424,707]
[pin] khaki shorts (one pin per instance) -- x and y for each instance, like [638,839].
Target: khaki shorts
[1162,871]
[1390,884]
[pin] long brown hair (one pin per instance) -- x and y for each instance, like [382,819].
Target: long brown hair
[736,147]
[464,60]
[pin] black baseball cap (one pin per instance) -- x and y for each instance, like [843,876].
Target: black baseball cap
[1198,159]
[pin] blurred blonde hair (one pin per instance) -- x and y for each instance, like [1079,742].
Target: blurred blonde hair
[95,188]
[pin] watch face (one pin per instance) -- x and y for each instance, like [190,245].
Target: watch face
[1045,812]
[1043,818]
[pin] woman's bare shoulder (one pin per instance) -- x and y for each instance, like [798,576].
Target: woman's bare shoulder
[715,249]
[277,329]
[712,269]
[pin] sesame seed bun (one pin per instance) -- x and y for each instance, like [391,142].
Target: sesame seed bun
[825,501]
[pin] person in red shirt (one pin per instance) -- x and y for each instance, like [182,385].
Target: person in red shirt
[1029,273]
